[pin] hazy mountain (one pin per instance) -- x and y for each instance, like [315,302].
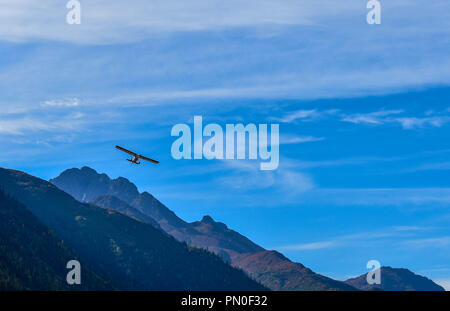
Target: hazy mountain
[395,279]
[86,184]
[268,267]
[132,254]
[32,258]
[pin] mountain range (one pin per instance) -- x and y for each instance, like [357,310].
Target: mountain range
[270,268]
[127,240]
[127,253]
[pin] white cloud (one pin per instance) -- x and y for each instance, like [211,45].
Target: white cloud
[247,176]
[444,283]
[399,57]
[37,121]
[412,123]
[376,117]
[74,102]
[299,114]
[407,123]
[20,126]
[407,228]
[301,164]
[366,197]
[297,85]
[353,239]
[288,140]
[431,166]
[121,21]
[309,246]
[305,115]
[436,242]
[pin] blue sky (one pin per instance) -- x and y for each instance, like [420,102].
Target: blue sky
[364,114]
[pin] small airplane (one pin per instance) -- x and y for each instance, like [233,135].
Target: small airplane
[136,156]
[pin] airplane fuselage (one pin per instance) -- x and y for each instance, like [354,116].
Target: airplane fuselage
[134,160]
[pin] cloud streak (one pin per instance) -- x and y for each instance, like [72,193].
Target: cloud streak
[74,102]
[106,22]
[377,117]
[305,115]
[291,140]
[353,239]
[407,123]
[381,197]
[435,242]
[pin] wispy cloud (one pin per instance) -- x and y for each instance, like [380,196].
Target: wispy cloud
[310,246]
[435,242]
[387,117]
[303,67]
[20,126]
[444,283]
[408,228]
[247,176]
[44,119]
[377,117]
[73,102]
[353,239]
[411,198]
[289,140]
[355,161]
[305,115]
[431,166]
[413,122]
[105,22]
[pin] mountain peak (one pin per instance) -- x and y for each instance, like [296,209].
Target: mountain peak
[396,279]
[88,169]
[208,220]
[215,224]
[86,184]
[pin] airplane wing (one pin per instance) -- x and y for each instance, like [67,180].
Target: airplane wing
[127,151]
[148,159]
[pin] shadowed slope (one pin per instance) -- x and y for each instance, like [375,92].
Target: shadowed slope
[32,258]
